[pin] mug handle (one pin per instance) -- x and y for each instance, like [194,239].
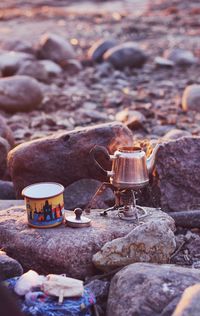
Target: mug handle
[96,150]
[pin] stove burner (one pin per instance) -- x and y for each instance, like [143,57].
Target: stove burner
[125,203]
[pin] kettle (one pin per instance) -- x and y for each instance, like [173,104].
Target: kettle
[130,166]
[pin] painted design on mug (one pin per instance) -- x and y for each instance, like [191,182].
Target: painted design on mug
[45,212]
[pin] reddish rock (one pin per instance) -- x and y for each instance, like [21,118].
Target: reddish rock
[64,157]
[178,170]
[61,249]
[149,289]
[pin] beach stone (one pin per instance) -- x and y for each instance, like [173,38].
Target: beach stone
[133,119]
[191,98]
[163,62]
[178,169]
[149,289]
[79,194]
[4,149]
[17,45]
[9,268]
[19,93]
[61,249]
[51,68]
[125,55]
[33,69]
[56,48]
[6,132]
[68,158]
[7,191]
[180,56]
[11,61]
[98,49]
[175,133]
[189,302]
[153,241]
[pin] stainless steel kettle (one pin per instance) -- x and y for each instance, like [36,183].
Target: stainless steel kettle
[130,166]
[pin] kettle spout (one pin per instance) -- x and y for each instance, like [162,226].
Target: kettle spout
[151,161]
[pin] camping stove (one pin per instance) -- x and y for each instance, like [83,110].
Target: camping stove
[130,172]
[125,203]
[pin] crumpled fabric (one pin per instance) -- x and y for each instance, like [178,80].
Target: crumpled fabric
[37,303]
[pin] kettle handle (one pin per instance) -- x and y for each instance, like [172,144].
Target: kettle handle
[96,150]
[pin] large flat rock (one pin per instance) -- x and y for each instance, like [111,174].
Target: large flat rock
[61,249]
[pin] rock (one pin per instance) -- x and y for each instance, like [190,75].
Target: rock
[11,61]
[6,190]
[191,98]
[51,68]
[73,66]
[4,149]
[100,290]
[153,241]
[189,302]
[133,119]
[178,169]
[61,249]
[19,93]
[79,193]
[68,158]
[181,57]
[6,132]
[56,48]
[174,134]
[98,49]
[4,204]
[125,55]
[17,45]
[163,62]
[9,268]
[149,289]
[33,69]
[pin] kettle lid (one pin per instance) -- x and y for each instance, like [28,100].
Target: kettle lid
[78,220]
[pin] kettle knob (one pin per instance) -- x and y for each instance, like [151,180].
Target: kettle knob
[78,212]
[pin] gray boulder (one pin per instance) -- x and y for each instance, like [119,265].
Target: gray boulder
[19,93]
[4,149]
[178,170]
[18,45]
[191,98]
[51,67]
[98,49]
[175,133]
[148,289]
[11,61]
[6,132]
[7,191]
[189,302]
[34,69]
[79,194]
[56,48]
[9,267]
[64,157]
[125,55]
[153,241]
[181,57]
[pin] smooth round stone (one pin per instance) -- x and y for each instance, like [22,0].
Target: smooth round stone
[125,55]
[98,49]
[191,98]
[19,93]
[181,57]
